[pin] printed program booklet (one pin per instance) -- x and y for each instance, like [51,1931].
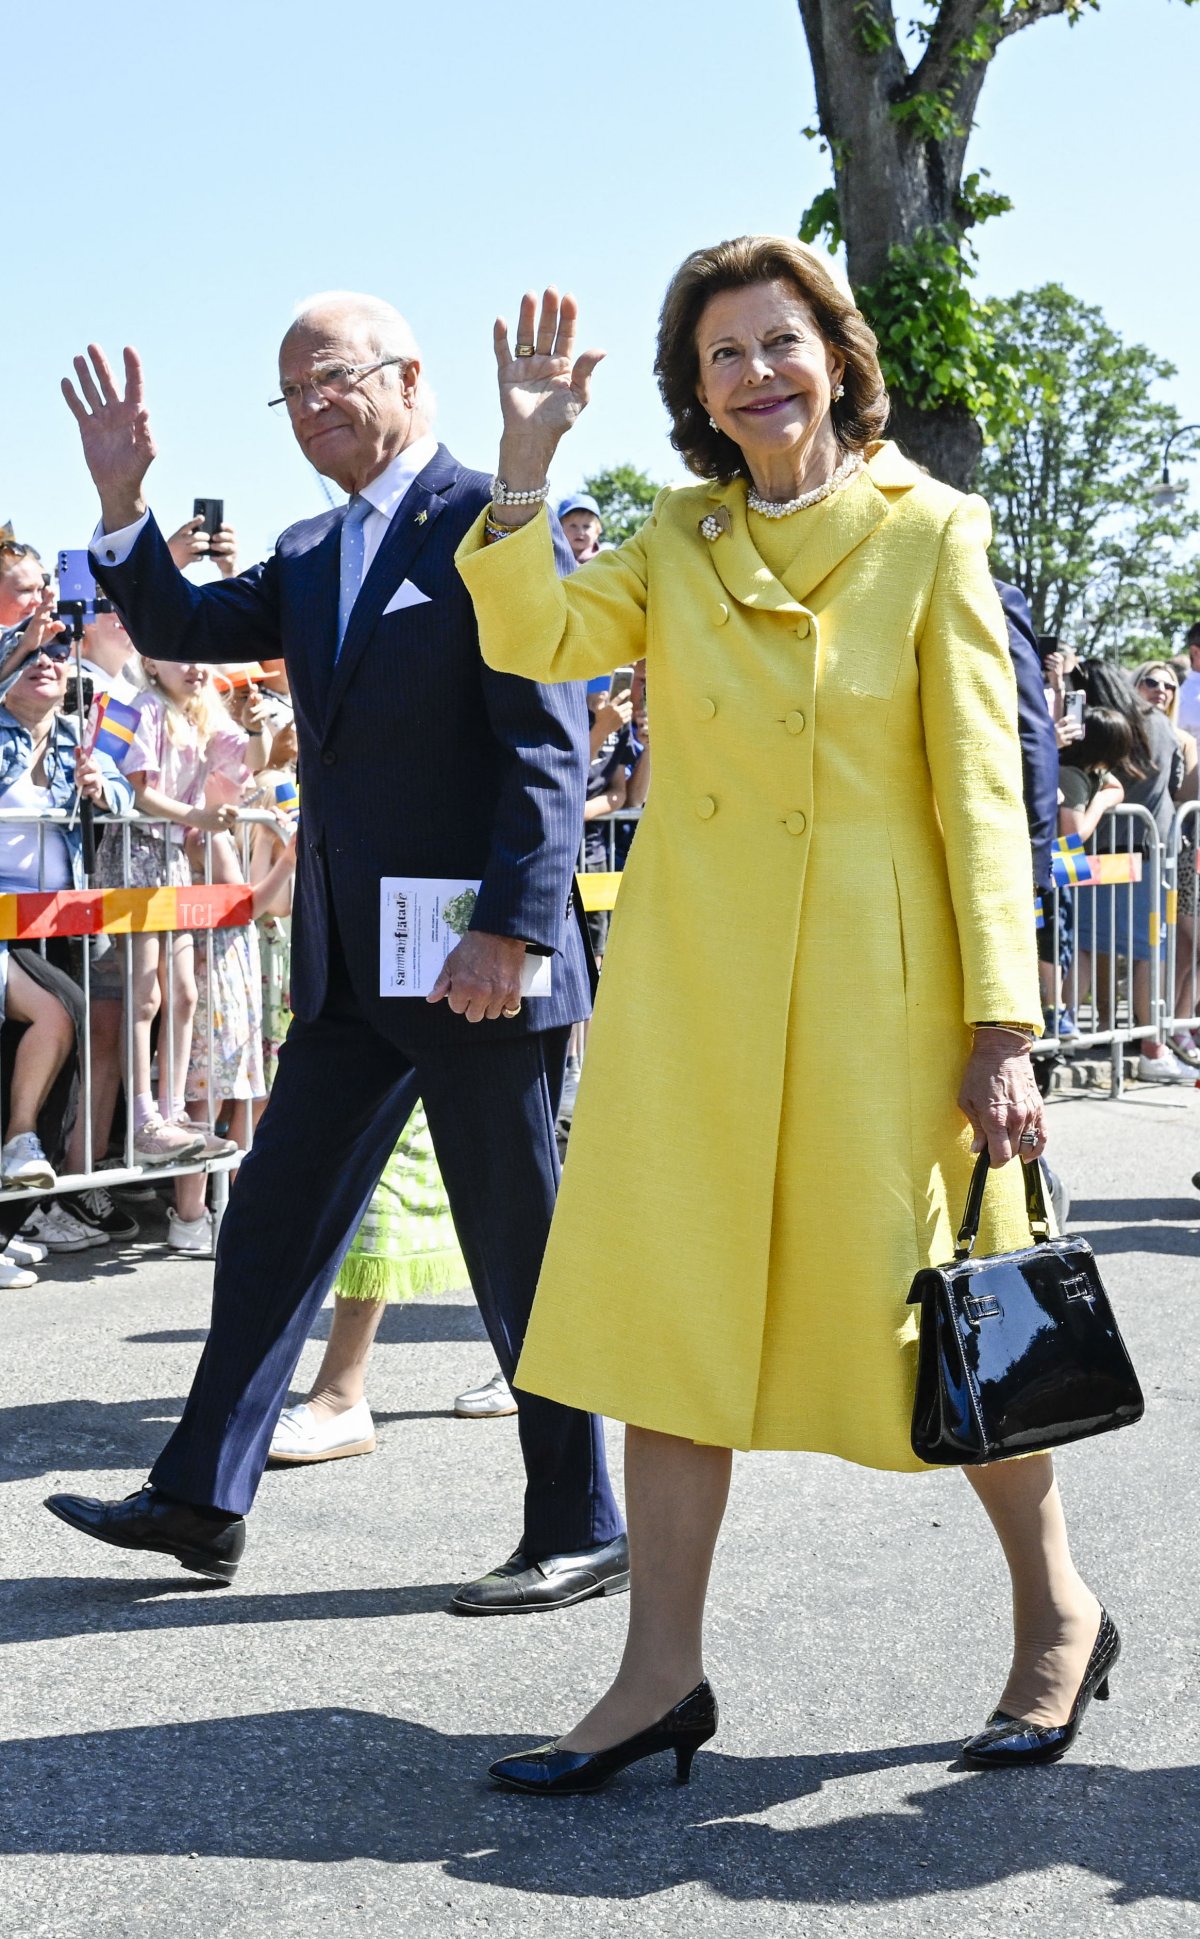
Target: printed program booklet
[421,919]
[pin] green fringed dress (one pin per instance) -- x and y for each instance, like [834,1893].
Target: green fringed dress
[406,1245]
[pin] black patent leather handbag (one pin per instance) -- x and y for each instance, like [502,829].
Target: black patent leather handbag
[1019,1352]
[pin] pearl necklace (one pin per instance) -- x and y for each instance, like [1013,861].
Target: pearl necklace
[849,468]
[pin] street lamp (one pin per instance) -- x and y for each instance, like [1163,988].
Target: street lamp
[1165,493]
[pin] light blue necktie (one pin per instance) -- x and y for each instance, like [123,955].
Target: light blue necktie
[351,570]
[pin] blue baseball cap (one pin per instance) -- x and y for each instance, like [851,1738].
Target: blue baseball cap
[581,502]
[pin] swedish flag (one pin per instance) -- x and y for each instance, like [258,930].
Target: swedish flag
[115,727]
[287,797]
[1070,861]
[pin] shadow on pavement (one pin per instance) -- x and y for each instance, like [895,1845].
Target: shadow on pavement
[58,1435]
[1123,1211]
[47,1608]
[1176,1241]
[179,1336]
[328,1785]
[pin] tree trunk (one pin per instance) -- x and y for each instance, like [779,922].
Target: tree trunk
[948,442]
[892,184]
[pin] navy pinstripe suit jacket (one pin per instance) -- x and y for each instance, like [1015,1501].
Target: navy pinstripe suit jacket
[415,758]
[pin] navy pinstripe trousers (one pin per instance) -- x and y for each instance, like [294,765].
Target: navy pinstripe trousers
[342,1095]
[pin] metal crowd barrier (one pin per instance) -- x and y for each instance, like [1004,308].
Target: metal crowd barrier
[129,1167]
[1114,1000]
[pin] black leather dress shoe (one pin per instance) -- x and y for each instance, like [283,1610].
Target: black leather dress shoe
[148,1520]
[519,1587]
[549,1772]
[1005,1741]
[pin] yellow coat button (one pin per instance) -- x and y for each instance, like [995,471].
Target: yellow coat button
[706,807]
[705,708]
[795,722]
[803,629]
[720,613]
[795,823]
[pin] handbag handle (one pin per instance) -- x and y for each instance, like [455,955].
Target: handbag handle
[1035,1205]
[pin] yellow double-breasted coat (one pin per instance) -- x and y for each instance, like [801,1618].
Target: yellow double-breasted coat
[830,882]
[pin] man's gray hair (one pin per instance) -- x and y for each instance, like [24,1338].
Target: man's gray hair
[390,333]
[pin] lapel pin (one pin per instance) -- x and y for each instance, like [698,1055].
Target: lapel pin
[714,523]
[420,518]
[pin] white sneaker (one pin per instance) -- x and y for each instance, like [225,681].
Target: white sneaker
[189,1235]
[23,1162]
[12,1276]
[300,1436]
[488,1402]
[24,1252]
[1164,1069]
[53,1227]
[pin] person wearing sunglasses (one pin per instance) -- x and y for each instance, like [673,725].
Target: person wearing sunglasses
[1158,684]
[22,581]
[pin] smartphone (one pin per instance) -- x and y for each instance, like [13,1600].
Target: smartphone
[76,585]
[1075,706]
[212,511]
[622,682]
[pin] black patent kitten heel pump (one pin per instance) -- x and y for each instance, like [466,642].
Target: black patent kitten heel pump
[551,1772]
[1005,1740]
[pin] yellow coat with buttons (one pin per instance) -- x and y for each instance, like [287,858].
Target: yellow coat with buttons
[830,883]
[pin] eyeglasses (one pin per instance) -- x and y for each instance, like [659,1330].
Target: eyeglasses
[1159,686]
[16,549]
[329,380]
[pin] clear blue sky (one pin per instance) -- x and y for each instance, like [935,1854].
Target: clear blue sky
[179,177]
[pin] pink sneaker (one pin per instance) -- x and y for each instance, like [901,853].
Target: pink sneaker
[214,1145]
[159,1143]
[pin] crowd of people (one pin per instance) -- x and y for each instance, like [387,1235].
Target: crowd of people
[201,1014]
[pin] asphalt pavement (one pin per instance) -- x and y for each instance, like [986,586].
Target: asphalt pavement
[305,1753]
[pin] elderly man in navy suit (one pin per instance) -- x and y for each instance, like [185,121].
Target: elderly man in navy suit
[416,760]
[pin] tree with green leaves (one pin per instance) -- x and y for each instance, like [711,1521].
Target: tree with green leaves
[625,496]
[1070,482]
[897,133]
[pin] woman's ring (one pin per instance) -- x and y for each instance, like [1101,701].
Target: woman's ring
[1029,1138]
[524,350]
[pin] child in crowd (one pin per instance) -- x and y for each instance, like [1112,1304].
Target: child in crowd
[183,738]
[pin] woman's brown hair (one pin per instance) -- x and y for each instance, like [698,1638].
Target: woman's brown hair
[858,417]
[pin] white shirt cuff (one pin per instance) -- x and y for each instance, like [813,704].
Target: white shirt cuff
[113,548]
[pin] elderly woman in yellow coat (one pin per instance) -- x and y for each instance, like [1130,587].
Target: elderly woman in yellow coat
[835,829]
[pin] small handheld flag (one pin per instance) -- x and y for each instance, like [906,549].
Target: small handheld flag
[287,797]
[1070,861]
[115,727]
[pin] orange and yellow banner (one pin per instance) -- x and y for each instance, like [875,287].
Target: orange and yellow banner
[123,912]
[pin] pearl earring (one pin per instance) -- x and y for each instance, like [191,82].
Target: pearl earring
[839,391]
[712,421]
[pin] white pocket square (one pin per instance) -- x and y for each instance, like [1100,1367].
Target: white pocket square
[406,595]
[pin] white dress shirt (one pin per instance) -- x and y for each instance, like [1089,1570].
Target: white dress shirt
[386,493]
[1189,704]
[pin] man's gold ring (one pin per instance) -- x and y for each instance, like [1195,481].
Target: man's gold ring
[513,1013]
[524,350]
